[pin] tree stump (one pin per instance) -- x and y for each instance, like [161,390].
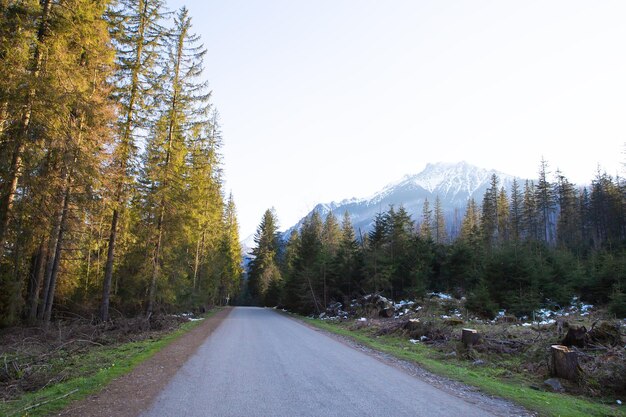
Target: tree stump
[576,336]
[564,363]
[470,337]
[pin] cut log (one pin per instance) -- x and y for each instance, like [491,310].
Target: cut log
[564,363]
[470,337]
[605,333]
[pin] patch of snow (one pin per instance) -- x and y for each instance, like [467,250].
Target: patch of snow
[441,295]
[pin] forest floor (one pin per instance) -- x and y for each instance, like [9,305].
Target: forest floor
[70,365]
[511,351]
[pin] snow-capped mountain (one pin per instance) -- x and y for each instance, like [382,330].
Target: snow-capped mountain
[454,183]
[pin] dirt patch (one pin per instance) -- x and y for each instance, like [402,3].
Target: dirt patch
[133,393]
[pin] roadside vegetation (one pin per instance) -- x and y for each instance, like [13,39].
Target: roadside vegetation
[513,357]
[42,371]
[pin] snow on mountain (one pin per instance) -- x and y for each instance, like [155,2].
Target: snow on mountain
[248,244]
[453,183]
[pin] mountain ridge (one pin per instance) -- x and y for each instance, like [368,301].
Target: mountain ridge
[454,182]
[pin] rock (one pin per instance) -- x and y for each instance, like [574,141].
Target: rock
[554,384]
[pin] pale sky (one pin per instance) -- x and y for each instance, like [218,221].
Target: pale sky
[330,99]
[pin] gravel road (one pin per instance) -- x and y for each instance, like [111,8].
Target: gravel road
[262,363]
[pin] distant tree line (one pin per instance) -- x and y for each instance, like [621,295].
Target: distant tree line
[542,243]
[110,168]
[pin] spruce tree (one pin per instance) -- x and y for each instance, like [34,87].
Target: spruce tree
[138,35]
[546,204]
[331,234]
[504,211]
[378,259]
[439,230]
[530,220]
[184,105]
[426,226]
[515,212]
[489,216]
[568,223]
[308,281]
[263,268]
[470,227]
[345,264]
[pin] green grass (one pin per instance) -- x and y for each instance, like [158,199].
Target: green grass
[490,380]
[90,373]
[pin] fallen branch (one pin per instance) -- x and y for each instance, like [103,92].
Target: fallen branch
[30,407]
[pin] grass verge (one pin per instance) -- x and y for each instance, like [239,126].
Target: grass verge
[488,379]
[91,372]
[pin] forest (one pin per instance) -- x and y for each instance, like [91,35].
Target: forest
[537,246]
[111,189]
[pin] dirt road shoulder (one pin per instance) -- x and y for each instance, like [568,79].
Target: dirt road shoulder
[132,393]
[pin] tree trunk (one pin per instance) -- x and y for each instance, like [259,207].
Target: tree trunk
[108,270]
[52,250]
[155,262]
[564,363]
[34,281]
[196,264]
[4,108]
[57,255]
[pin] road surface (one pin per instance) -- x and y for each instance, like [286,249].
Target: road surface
[262,363]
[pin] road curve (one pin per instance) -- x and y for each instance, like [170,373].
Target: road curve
[261,363]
